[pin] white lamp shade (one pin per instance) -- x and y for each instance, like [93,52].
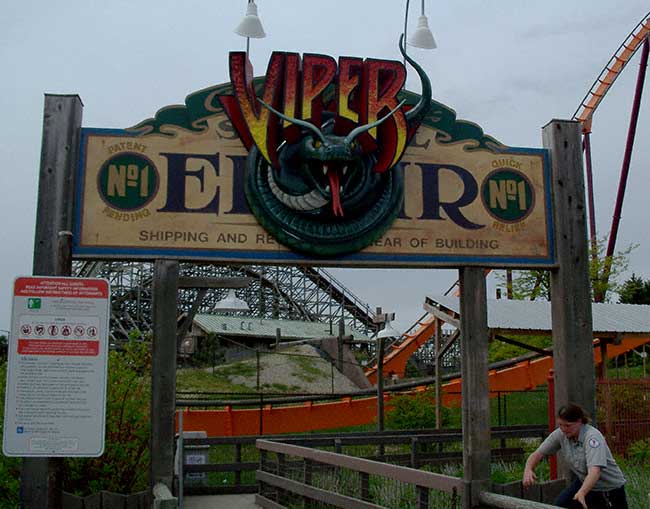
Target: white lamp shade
[388,332]
[422,37]
[251,26]
[231,303]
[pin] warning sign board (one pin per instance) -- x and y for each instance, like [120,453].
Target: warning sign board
[55,402]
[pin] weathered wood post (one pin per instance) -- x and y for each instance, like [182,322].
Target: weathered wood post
[40,477]
[475,384]
[163,372]
[437,339]
[573,353]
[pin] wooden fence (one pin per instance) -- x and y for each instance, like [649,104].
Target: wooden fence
[295,476]
[239,458]
[107,500]
[283,481]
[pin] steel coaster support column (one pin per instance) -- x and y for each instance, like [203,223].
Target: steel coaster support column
[634,117]
[586,145]
[475,387]
[573,353]
[163,372]
[40,483]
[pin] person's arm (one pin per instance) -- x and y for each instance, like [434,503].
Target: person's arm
[529,470]
[593,474]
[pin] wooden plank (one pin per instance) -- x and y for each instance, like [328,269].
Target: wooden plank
[70,501]
[313,493]
[140,500]
[438,313]
[163,372]
[221,490]
[221,467]
[551,490]
[93,501]
[573,359]
[532,493]
[505,502]
[476,388]
[41,478]
[113,500]
[404,474]
[267,503]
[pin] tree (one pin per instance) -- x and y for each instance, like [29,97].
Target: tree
[536,284]
[123,468]
[635,291]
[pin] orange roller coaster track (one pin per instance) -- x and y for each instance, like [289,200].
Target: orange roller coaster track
[611,71]
[312,416]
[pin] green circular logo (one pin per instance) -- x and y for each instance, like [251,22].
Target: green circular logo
[128,181]
[508,195]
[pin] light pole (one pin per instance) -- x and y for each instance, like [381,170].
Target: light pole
[387,331]
[250,26]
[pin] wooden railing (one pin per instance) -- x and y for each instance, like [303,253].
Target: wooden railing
[307,478]
[291,476]
[230,462]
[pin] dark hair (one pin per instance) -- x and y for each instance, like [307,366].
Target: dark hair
[573,413]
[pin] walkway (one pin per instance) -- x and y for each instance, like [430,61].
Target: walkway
[220,502]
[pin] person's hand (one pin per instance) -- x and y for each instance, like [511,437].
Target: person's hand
[529,478]
[580,498]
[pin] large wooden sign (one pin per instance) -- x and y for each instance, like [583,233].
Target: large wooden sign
[230,176]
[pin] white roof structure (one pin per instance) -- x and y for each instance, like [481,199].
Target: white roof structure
[609,320]
[247,326]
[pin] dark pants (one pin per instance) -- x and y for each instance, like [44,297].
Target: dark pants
[612,499]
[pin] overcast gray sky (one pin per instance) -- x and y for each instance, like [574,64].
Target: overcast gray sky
[508,65]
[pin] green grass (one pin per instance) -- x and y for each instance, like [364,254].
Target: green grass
[307,369]
[200,380]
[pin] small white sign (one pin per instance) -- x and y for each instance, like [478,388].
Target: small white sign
[55,402]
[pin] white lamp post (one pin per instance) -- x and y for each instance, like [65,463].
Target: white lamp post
[231,303]
[422,37]
[250,26]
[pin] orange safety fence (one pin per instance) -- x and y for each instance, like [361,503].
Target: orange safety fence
[312,416]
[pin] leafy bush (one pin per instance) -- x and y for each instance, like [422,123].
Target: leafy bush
[639,452]
[9,467]
[124,466]
[414,412]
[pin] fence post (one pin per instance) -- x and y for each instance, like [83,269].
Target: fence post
[475,390]
[365,486]
[307,476]
[414,452]
[238,460]
[263,461]
[423,497]
[571,313]
[181,458]
[163,371]
[551,419]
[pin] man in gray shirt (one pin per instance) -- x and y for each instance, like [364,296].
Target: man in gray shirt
[599,481]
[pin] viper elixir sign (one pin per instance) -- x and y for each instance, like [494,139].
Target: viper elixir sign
[319,161]
[56,378]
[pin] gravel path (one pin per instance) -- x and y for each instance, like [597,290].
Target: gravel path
[297,369]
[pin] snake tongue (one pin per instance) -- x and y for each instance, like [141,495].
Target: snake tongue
[333,176]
